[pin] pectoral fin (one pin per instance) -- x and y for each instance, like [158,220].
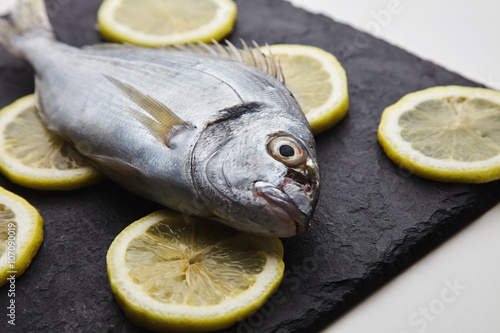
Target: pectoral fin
[122,172]
[162,121]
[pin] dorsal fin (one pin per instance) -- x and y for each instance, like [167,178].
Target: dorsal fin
[250,55]
[163,122]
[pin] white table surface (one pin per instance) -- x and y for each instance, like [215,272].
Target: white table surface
[456,288]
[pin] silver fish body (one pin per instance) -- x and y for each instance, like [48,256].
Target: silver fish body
[198,133]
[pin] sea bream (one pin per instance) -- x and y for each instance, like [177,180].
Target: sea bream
[185,127]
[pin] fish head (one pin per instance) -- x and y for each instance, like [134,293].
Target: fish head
[257,175]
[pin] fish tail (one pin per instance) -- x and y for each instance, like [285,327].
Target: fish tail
[26,19]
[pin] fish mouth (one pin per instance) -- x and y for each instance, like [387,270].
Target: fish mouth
[283,207]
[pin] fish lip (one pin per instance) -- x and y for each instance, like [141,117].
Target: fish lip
[281,205]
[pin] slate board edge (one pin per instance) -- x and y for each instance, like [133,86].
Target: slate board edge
[372,282]
[387,271]
[428,241]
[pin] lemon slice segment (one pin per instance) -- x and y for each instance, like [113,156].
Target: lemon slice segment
[318,82]
[171,274]
[21,234]
[449,134]
[166,22]
[32,156]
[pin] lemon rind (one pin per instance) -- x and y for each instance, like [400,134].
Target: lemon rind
[217,29]
[335,108]
[28,238]
[415,162]
[41,179]
[147,312]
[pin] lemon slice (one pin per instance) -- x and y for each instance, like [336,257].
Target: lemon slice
[172,274]
[21,234]
[32,156]
[165,22]
[318,82]
[449,134]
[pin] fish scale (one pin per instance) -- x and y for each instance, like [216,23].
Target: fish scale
[196,128]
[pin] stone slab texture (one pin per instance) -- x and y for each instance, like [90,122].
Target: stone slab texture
[373,218]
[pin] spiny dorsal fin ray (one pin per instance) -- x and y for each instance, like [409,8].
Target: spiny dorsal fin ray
[163,122]
[252,56]
[248,54]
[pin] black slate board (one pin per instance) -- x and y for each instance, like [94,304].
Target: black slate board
[372,221]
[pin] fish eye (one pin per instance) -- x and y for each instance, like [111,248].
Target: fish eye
[287,150]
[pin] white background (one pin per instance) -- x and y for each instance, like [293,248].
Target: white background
[456,288]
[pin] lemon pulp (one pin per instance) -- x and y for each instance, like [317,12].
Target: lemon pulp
[33,156]
[166,22]
[318,82]
[449,134]
[170,16]
[41,149]
[179,264]
[169,272]
[7,221]
[453,128]
[21,234]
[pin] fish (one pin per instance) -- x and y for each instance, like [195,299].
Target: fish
[207,130]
